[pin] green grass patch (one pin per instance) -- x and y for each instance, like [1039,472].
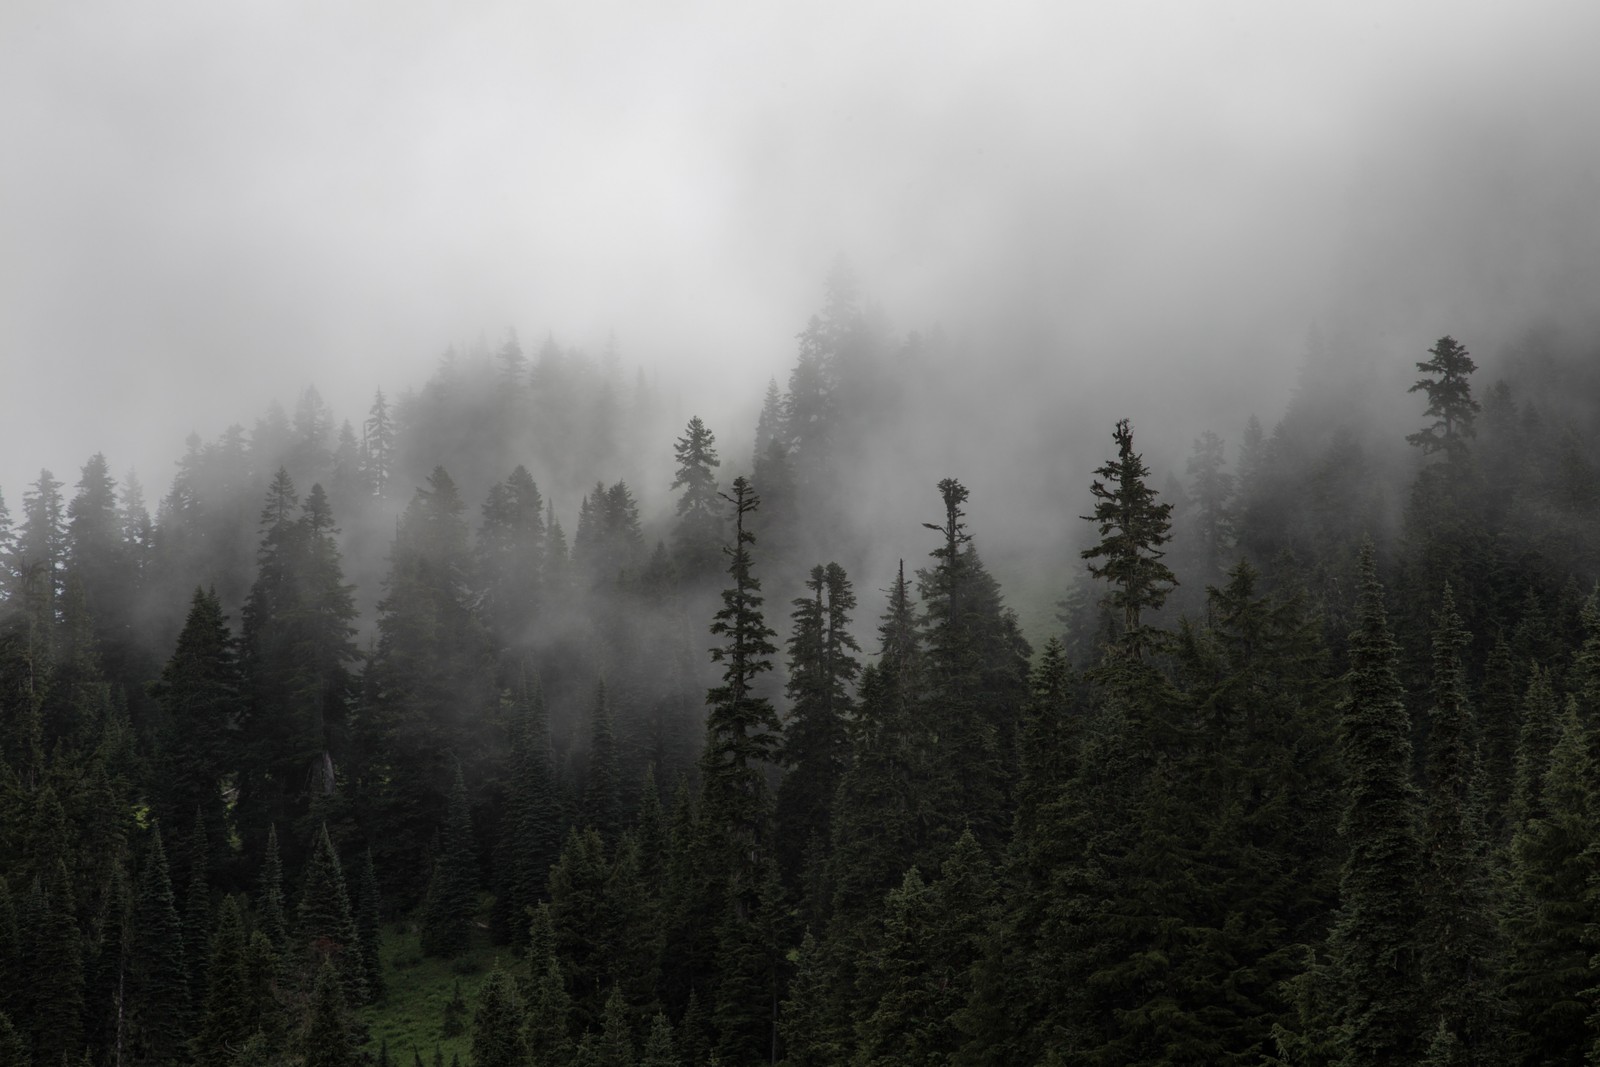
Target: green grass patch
[418,988]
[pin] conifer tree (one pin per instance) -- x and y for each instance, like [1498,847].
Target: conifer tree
[549,1016]
[659,1048]
[615,1046]
[531,827]
[270,901]
[230,1015]
[1450,401]
[157,998]
[1373,947]
[452,892]
[815,743]
[326,1040]
[13,1045]
[1459,942]
[368,920]
[55,972]
[198,695]
[325,924]
[699,532]
[197,913]
[510,558]
[602,788]
[1133,527]
[497,1023]
[1555,868]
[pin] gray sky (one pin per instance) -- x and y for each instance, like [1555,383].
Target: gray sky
[204,205]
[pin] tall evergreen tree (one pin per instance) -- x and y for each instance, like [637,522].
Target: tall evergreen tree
[1373,941]
[230,1015]
[497,1022]
[198,695]
[157,999]
[1133,527]
[815,741]
[699,533]
[531,825]
[368,921]
[602,786]
[1459,943]
[452,892]
[1450,401]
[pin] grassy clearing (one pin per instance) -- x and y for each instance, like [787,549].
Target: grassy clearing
[412,1013]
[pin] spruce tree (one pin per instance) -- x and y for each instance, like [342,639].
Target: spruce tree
[531,826]
[55,973]
[497,1023]
[815,743]
[270,903]
[1450,401]
[326,1040]
[157,998]
[1373,941]
[197,913]
[615,1046]
[230,1014]
[325,924]
[659,1048]
[602,787]
[1459,942]
[699,531]
[452,892]
[368,921]
[1133,527]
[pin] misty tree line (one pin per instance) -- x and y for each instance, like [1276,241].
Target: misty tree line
[1277,792]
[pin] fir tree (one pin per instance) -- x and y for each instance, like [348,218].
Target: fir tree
[270,903]
[699,531]
[55,973]
[1459,943]
[1133,527]
[13,1045]
[615,1046]
[368,919]
[497,1022]
[602,788]
[1372,943]
[549,1014]
[531,834]
[452,892]
[1450,401]
[326,1040]
[325,924]
[157,998]
[230,1015]
[659,1048]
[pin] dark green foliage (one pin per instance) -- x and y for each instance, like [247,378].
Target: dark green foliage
[269,905]
[531,826]
[197,914]
[326,1040]
[325,925]
[231,1012]
[1450,401]
[54,967]
[454,1020]
[602,787]
[1555,869]
[198,696]
[1373,946]
[615,1045]
[13,1045]
[815,740]
[699,534]
[659,1048]
[368,920]
[548,1030]
[814,1019]
[497,1022]
[1132,527]
[157,999]
[1459,943]
[510,553]
[452,892]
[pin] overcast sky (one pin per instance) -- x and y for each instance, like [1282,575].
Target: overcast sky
[204,205]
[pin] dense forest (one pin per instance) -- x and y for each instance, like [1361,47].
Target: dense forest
[1305,769]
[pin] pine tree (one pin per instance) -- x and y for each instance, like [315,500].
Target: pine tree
[497,1022]
[270,903]
[742,729]
[368,920]
[815,743]
[230,1015]
[602,788]
[531,835]
[157,998]
[452,892]
[659,1048]
[197,913]
[325,924]
[615,1047]
[549,1013]
[1450,401]
[1555,867]
[55,972]
[198,695]
[1133,527]
[1373,947]
[326,1040]
[1459,942]
[699,531]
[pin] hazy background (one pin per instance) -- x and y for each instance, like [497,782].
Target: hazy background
[1136,209]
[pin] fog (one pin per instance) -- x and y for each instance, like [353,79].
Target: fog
[1139,209]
